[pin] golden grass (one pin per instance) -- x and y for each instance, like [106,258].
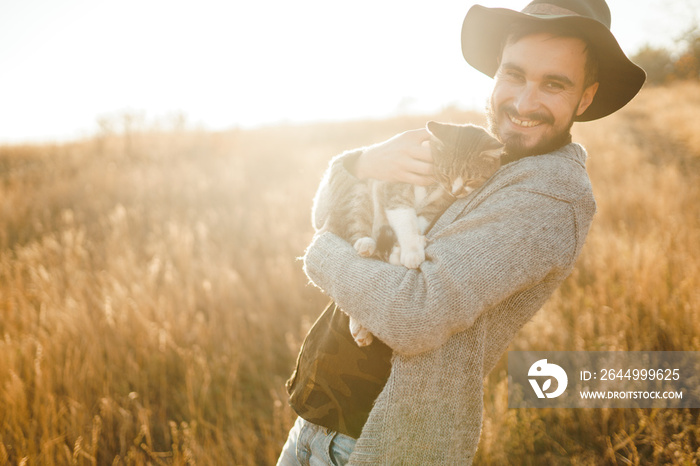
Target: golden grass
[151,302]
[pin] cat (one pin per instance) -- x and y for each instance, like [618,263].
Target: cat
[464,157]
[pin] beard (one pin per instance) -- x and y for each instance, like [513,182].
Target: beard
[515,147]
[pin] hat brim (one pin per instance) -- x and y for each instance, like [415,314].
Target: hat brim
[485,29]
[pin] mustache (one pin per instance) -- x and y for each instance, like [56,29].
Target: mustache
[539,116]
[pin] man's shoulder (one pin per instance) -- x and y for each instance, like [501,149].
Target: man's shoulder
[560,173]
[571,157]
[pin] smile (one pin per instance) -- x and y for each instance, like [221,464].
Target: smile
[524,124]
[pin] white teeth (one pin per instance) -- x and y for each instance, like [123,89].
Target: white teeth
[525,124]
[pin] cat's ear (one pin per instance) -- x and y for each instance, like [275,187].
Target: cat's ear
[441,131]
[437,138]
[491,151]
[491,147]
[432,126]
[492,158]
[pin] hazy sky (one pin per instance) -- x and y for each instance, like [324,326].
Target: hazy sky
[226,63]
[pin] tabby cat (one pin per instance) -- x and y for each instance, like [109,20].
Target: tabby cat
[464,157]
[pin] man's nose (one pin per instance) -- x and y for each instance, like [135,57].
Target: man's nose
[526,100]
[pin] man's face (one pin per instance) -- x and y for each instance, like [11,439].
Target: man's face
[539,89]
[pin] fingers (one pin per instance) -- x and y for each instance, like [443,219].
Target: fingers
[419,148]
[417,171]
[418,135]
[416,179]
[405,158]
[419,168]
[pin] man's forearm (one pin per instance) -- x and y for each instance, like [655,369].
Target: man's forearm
[486,257]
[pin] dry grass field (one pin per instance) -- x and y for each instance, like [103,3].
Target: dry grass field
[152,303]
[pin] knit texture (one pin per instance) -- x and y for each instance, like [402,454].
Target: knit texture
[492,261]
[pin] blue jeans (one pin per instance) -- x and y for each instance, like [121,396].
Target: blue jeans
[312,445]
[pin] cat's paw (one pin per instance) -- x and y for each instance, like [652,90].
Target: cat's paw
[423,224]
[360,334]
[412,258]
[365,246]
[395,256]
[363,338]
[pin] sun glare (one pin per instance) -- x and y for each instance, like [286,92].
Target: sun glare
[227,64]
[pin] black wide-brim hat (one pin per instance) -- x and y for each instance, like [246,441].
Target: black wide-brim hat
[485,29]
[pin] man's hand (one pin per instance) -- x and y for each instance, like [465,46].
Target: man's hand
[405,158]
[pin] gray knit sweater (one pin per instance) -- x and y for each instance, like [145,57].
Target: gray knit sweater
[492,261]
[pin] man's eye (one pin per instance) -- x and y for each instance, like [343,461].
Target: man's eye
[554,86]
[513,75]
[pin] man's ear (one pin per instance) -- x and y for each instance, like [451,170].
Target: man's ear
[587,98]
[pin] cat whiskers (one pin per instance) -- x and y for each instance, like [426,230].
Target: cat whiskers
[445,184]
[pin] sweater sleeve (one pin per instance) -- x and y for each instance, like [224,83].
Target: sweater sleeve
[512,240]
[334,187]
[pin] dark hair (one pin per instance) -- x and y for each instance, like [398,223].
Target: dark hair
[522,29]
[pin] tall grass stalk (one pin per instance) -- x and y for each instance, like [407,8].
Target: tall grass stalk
[152,303]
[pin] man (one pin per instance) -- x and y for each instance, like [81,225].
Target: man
[492,259]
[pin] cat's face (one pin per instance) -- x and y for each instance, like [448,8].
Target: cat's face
[465,156]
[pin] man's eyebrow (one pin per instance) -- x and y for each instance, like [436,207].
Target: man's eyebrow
[513,66]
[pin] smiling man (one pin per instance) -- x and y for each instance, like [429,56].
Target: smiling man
[541,86]
[415,396]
